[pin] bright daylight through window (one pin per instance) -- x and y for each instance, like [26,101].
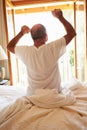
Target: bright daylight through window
[55,30]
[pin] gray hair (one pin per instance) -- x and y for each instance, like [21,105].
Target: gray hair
[38,32]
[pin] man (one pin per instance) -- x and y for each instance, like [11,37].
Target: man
[41,59]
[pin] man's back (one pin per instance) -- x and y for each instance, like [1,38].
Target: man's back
[41,64]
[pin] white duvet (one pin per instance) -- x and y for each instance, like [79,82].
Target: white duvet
[48,110]
[8,94]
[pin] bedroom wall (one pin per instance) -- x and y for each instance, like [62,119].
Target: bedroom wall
[3,40]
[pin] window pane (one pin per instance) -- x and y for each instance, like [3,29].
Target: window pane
[56,30]
[80,28]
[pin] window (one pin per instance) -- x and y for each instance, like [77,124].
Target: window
[72,64]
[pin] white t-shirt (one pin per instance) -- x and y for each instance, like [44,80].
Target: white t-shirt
[42,64]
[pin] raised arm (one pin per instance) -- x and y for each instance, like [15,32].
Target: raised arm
[68,27]
[11,45]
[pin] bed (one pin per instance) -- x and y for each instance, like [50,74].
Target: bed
[9,94]
[46,109]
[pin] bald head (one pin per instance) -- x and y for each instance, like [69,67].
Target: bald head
[38,31]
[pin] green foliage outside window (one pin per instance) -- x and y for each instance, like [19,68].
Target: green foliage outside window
[71,54]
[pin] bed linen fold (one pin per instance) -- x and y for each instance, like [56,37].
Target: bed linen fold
[48,110]
[50,98]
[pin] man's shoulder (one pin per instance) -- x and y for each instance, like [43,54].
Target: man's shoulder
[22,48]
[52,43]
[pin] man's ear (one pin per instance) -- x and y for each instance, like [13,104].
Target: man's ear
[46,38]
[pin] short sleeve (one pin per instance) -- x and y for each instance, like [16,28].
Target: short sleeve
[20,52]
[58,47]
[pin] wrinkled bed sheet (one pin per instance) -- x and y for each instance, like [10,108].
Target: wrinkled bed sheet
[8,94]
[48,110]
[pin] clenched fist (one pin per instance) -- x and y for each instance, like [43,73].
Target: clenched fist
[25,29]
[57,13]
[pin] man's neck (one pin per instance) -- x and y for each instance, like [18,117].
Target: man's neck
[39,42]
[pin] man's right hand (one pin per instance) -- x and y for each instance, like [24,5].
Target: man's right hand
[25,29]
[11,45]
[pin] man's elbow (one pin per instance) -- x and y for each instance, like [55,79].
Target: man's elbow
[73,33]
[11,49]
[70,36]
[8,48]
